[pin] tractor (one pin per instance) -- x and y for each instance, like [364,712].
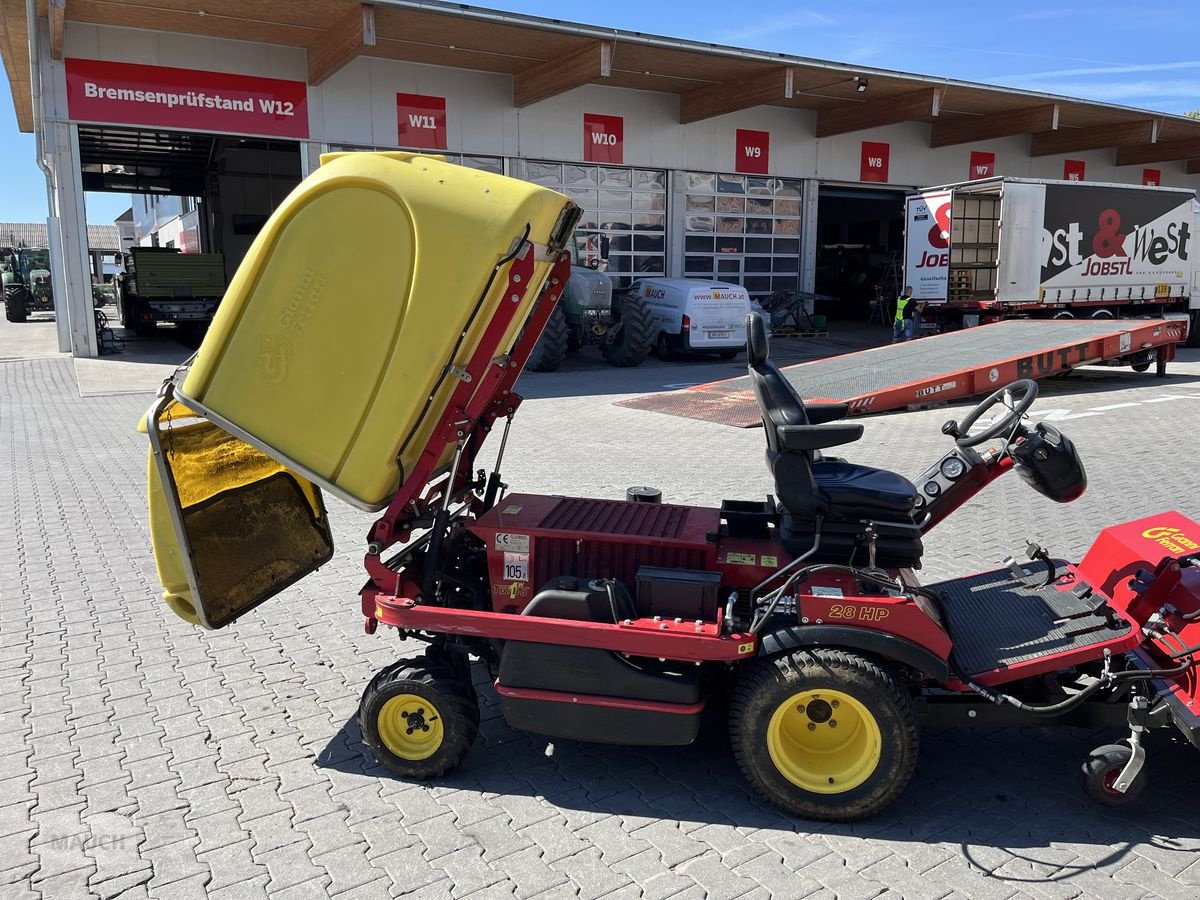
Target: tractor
[26,275]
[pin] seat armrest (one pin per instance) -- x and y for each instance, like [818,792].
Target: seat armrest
[820,413]
[818,437]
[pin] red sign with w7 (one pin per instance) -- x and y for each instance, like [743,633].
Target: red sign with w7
[873,165]
[983,164]
[753,152]
[421,121]
[603,138]
[190,99]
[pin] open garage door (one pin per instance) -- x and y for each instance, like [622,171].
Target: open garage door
[860,248]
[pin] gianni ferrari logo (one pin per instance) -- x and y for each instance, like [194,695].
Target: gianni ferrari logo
[1171,538]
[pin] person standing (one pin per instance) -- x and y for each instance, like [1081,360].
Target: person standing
[907,311]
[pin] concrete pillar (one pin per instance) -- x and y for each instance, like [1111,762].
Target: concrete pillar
[73,289]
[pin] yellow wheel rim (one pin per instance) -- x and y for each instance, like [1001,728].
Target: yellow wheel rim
[824,741]
[410,727]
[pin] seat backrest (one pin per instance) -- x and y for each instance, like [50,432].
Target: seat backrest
[778,402]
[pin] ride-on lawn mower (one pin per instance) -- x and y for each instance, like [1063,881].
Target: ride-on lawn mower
[616,620]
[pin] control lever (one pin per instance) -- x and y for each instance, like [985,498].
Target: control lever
[1033,551]
[950,429]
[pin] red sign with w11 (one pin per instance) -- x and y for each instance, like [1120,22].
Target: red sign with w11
[422,121]
[188,99]
[873,166]
[603,138]
[753,152]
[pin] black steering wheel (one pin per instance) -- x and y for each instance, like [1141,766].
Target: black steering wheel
[1017,397]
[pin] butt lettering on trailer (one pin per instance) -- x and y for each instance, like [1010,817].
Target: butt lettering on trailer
[1052,361]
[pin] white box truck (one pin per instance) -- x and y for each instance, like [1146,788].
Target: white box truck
[981,251]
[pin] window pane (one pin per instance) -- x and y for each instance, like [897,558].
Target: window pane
[729,266]
[579,175]
[756,206]
[701,181]
[757,284]
[758,245]
[616,178]
[786,264]
[645,200]
[784,284]
[616,220]
[731,184]
[760,186]
[649,180]
[729,224]
[615,199]
[699,223]
[728,244]
[731,205]
[543,173]
[758,264]
[786,245]
[787,226]
[658,223]
[648,265]
[701,203]
[648,243]
[758,226]
[787,207]
[692,244]
[586,199]
[698,265]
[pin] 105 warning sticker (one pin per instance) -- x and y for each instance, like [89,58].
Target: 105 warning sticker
[516,566]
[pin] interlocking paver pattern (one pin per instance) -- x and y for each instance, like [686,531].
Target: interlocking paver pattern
[142,757]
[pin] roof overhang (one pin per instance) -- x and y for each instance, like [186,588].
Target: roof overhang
[546,57]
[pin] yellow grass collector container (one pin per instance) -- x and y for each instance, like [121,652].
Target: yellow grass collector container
[373,278]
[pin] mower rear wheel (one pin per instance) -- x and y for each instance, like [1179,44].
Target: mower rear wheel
[1100,772]
[824,734]
[419,717]
[551,347]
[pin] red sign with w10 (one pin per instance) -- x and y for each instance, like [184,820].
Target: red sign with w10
[603,138]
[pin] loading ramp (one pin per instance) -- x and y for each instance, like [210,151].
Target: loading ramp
[942,367]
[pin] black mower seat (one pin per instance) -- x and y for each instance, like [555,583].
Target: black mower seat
[807,484]
[861,491]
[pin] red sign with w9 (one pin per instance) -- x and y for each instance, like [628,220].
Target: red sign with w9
[753,152]
[421,121]
[603,138]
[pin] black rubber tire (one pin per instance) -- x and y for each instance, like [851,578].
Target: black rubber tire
[728,354]
[1141,367]
[15,308]
[764,685]
[551,348]
[663,348]
[1102,766]
[636,335]
[449,692]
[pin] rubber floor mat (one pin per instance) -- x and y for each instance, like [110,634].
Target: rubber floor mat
[996,621]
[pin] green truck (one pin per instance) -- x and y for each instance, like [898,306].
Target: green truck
[25,272]
[161,284]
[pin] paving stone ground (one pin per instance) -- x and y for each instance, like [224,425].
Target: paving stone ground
[142,757]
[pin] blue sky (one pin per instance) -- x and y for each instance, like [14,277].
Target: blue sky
[1144,55]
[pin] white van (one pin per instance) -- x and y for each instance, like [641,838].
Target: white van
[693,316]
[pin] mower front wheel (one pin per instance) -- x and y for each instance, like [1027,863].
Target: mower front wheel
[823,734]
[1101,770]
[419,717]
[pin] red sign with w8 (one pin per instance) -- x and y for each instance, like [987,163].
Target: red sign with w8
[422,121]
[873,165]
[603,138]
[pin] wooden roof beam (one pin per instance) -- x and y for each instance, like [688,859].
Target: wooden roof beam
[1163,151]
[965,130]
[353,33]
[1097,137]
[915,106]
[720,99]
[58,20]
[1193,167]
[557,76]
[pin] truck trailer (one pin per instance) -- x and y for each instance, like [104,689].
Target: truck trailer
[161,284]
[997,248]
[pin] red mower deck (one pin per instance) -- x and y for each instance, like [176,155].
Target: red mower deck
[942,367]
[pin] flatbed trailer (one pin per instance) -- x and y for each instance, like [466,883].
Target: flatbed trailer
[942,367]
